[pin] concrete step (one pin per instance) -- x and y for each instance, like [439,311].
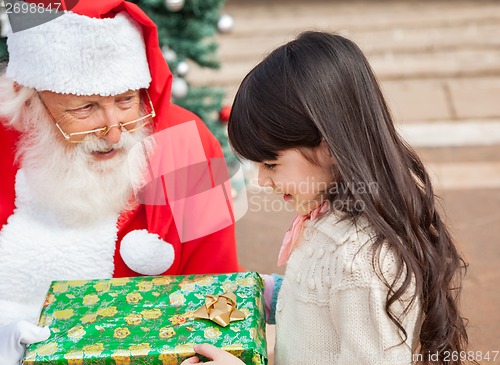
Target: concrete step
[271,17]
[398,39]
[436,100]
[453,154]
[451,134]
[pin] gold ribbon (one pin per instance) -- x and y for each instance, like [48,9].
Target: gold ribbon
[221,309]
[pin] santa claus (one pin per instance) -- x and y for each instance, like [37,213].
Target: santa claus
[80,91]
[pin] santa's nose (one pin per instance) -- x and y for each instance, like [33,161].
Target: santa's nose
[113,135]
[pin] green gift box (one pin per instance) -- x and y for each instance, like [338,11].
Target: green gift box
[147,320]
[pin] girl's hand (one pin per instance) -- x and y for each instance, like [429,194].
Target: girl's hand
[218,356]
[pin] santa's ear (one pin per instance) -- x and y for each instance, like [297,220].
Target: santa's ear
[17,88]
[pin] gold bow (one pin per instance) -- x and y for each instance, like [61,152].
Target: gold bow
[221,309]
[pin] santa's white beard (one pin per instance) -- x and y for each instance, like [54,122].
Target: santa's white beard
[69,181]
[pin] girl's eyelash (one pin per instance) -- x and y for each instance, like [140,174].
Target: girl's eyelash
[269,166]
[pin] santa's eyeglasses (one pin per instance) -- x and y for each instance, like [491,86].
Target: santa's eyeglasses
[92,135]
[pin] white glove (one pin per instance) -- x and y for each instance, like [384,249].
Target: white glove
[14,336]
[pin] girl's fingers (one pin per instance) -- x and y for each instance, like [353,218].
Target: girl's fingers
[219,356]
[191,360]
[209,351]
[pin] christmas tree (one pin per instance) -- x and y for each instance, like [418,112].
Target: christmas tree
[186,31]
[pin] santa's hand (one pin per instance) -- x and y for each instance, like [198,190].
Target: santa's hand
[218,356]
[14,336]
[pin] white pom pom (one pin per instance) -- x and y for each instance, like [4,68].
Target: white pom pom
[146,253]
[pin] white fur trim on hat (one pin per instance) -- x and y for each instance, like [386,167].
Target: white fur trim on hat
[146,253]
[76,54]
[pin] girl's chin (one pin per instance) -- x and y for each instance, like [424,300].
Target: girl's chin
[307,207]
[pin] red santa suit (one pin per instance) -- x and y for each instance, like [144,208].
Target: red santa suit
[35,248]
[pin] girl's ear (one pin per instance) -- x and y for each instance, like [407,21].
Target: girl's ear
[324,149]
[323,155]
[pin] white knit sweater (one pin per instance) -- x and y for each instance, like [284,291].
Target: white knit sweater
[331,306]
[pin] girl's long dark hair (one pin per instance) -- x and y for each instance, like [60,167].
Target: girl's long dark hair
[320,86]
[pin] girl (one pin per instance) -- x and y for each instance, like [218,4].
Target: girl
[373,276]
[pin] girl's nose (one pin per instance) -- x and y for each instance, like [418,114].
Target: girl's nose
[264,180]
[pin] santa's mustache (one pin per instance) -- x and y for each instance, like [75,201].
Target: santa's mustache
[101,146]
